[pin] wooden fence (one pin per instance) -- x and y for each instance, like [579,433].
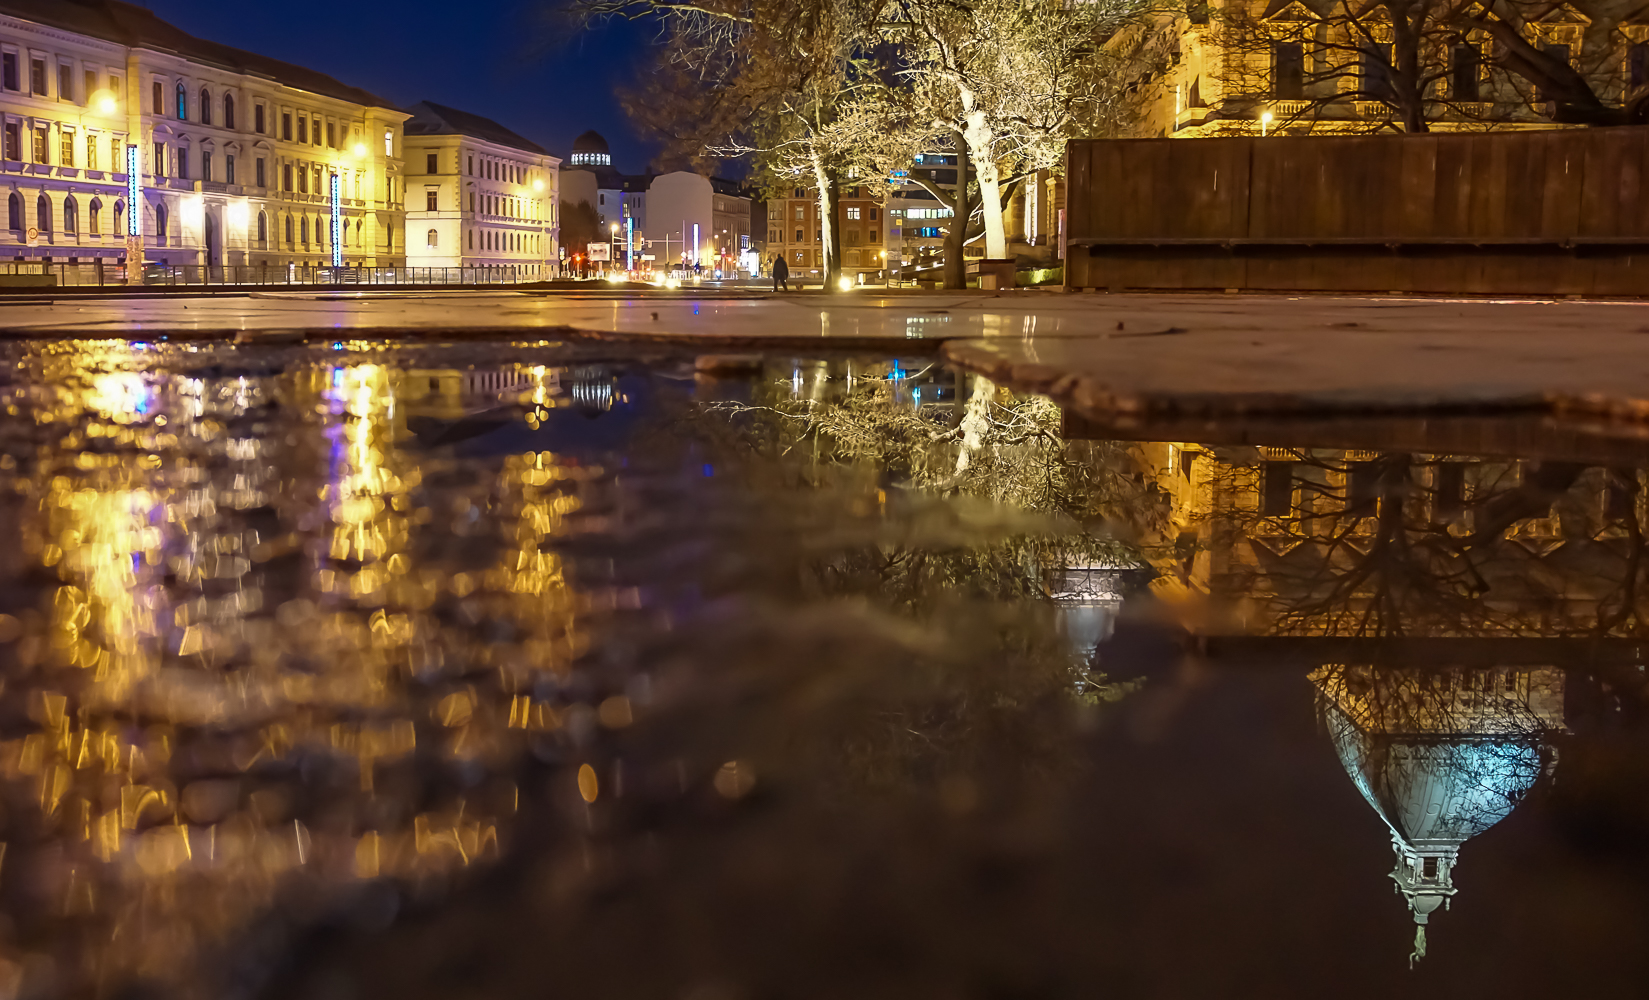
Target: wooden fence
[1556,212]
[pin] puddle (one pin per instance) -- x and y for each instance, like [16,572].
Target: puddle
[431,670]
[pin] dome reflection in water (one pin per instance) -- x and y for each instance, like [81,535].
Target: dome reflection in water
[1441,755]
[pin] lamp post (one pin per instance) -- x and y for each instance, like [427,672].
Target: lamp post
[1266,118]
[613,243]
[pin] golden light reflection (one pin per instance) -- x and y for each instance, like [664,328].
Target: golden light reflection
[269,652]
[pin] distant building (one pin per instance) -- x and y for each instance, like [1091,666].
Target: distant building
[866,221]
[674,218]
[479,194]
[236,151]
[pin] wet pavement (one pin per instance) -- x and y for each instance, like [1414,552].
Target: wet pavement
[497,669]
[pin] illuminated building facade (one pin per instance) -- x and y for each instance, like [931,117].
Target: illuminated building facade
[1247,67]
[237,150]
[480,195]
[866,221]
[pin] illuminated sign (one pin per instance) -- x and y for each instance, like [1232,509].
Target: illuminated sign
[695,243]
[337,223]
[629,239]
[134,190]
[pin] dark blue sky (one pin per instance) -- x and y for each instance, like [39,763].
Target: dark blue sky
[502,59]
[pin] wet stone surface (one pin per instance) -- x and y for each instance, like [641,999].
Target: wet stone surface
[513,669]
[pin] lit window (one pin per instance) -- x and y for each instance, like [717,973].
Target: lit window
[431,199]
[853,212]
[389,143]
[430,238]
[66,148]
[37,77]
[182,103]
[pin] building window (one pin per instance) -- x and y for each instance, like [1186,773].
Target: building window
[317,134]
[42,145]
[1288,71]
[14,212]
[258,175]
[8,71]
[37,77]
[303,181]
[431,200]
[71,216]
[389,143]
[430,238]
[94,217]
[205,106]
[89,79]
[14,141]
[289,240]
[286,177]
[257,118]
[1466,73]
[160,159]
[1376,71]
[120,216]
[182,103]
[43,213]
[798,236]
[303,230]
[206,164]
[853,212]
[332,135]
[65,82]
[1561,54]
[431,164]
[286,125]
[873,236]
[229,111]
[116,149]
[472,164]
[181,162]
[229,168]
[91,152]
[65,147]
[1277,489]
[303,130]
[157,102]
[115,91]
[263,231]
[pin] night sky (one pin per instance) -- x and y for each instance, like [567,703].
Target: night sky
[502,59]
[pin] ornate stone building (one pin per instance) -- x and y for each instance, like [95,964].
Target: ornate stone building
[481,196]
[1242,67]
[236,151]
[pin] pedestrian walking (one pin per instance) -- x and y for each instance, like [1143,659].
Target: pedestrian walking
[781,273]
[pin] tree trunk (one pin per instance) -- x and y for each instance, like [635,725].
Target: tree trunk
[830,239]
[956,237]
[981,142]
[1405,59]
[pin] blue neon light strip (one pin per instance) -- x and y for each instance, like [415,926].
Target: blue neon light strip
[337,223]
[134,190]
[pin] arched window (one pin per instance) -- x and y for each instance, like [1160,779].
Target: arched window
[43,214]
[14,212]
[159,100]
[205,106]
[94,217]
[303,230]
[71,216]
[430,239]
[161,223]
[228,110]
[263,230]
[289,240]
[182,104]
[120,217]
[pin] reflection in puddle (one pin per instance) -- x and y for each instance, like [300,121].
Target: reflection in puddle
[425,666]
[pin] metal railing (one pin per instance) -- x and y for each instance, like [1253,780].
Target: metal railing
[197,275]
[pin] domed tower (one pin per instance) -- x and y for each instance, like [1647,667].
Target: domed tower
[1441,755]
[590,150]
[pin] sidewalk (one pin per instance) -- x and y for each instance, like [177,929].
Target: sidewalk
[1096,353]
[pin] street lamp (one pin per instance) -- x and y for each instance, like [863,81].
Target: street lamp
[613,244]
[1266,118]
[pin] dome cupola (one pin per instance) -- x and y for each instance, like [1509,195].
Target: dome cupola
[591,150]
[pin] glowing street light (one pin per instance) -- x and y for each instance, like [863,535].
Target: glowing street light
[1266,118]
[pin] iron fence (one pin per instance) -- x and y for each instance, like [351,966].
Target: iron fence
[198,275]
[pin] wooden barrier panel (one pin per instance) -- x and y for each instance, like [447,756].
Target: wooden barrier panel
[1550,212]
